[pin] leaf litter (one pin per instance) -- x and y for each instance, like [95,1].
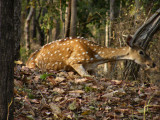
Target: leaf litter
[67,96]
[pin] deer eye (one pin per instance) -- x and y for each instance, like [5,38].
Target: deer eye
[141,52]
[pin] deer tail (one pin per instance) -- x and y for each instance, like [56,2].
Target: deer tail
[31,61]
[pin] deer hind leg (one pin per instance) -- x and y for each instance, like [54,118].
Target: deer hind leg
[80,70]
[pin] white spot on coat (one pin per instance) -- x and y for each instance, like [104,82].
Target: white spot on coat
[95,49]
[99,52]
[113,51]
[67,49]
[70,37]
[96,56]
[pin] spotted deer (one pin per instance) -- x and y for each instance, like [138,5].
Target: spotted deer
[83,55]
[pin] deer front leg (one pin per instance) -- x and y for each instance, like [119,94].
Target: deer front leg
[80,70]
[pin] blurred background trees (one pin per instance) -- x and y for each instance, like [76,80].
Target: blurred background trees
[106,22]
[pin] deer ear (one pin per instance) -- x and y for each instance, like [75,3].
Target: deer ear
[129,39]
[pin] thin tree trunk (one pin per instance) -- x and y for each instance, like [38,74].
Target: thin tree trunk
[57,33]
[26,28]
[41,32]
[137,10]
[67,19]
[34,31]
[7,44]
[73,25]
[114,11]
[62,32]
[106,39]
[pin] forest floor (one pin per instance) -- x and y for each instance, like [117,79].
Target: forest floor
[67,96]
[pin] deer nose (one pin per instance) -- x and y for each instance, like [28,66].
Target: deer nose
[153,65]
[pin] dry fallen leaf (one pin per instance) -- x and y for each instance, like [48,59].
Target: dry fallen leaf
[58,90]
[18,62]
[73,105]
[81,80]
[59,79]
[18,83]
[58,99]
[55,109]
[116,82]
[77,91]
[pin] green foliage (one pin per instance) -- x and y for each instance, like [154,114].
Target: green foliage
[73,105]
[31,96]
[28,91]
[89,89]
[91,14]
[49,13]
[44,76]
[23,54]
[47,23]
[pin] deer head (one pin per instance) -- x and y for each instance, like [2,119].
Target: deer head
[138,55]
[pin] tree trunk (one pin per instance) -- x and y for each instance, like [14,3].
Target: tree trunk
[73,25]
[34,30]
[17,26]
[62,20]
[114,10]
[41,32]
[57,31]
[26,28]
[141,38]
[7,44]
[106,39]
[67,19]
[137,10]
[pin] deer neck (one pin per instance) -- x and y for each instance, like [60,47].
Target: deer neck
[114,54]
